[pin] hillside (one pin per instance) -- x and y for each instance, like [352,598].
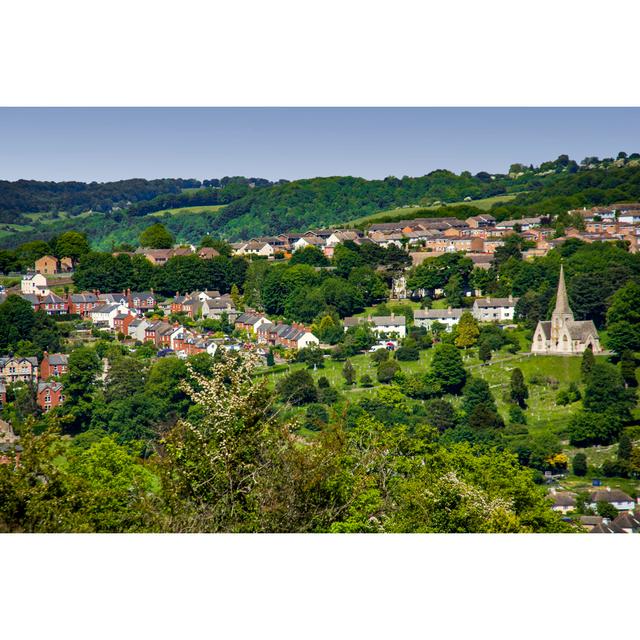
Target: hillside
[240,207]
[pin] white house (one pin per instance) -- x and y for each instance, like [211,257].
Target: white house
[35,284]
[448,317]
[494,309]
[306,339]
[619,499]
[309,239]
[137,329]
[381,325]
[104,314]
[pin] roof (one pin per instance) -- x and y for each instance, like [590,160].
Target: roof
[5,359]
[435,314]
[562,300]
[79,298]
[496,302]
[591,520]
[606,528]
[581,329]
[58,358]
[378,321]
[564,499]
[628,521]
[610,495]
[54,386]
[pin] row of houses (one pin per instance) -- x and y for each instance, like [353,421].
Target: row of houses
[565,501]
[294,336]
[205,304]
[50,265]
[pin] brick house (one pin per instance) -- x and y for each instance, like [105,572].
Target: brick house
[53,305]
[82,303]
[49,395]
[47,265]
[54,365]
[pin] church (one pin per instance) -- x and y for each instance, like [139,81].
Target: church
[562,335]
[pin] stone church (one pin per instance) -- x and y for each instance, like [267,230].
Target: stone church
[562,334]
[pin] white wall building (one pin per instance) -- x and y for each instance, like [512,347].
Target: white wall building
[35,284]
[494,309]
[448,317]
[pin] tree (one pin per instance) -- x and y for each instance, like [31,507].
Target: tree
[309,255]
[348,373]
[379,355]
[71,244]
[477,392]
[606,393]
[622,336]
[408,351]
[447,368]
[467,331]
[606,510]
[484,352]
[387,369]
[586,365]
[79,386]
[628,368]
[312,356]
[316,417]
[580,464]
[625,447]
[298,388]
[518,389]
[156,237]
[441,414]
[587,428]
[366,381]
[270,359]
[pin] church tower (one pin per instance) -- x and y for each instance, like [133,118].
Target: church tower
[562,313]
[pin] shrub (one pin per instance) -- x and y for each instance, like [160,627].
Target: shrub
[366,381]
[404,354]
[386,371]
[316,417]
[580,464]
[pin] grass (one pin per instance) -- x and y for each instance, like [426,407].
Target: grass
[398,214]
[187,210]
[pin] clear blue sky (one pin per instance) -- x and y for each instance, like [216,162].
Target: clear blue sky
[115,143]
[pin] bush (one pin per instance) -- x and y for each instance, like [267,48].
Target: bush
[366,381]
[588,428]
[517,415]
[380,355]
[316,417]
[386,371]
[298,388]
[404,354]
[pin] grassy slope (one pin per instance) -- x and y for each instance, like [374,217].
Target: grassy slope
[485,204]
[186,210]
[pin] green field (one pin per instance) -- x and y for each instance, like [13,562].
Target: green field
[186,210]
[398,214]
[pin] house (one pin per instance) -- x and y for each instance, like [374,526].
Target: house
[448,317]
[104,314]
[207,253]
[628,522]
[589,522]
[49,395]
[250,321]
[215,307]
[122,321]
[307,240]
[82,303]
[3,395]
[563,501]
[523,223]
[619,499]
[35,284]
[17,369]
[341,236]
[53,305]
[294,336]
[494,309]
[137,329]
[606,527]
[66,264]
[156,257]
[381,325]
[562,334]
[47,265]
[53,365]
[481,222]
[141,301]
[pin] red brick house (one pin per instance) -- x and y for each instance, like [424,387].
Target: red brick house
[82,303]
[53,365]
[50,395]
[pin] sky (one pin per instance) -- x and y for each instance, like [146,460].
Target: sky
[104,144]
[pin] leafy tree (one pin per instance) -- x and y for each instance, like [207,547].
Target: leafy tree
[467,331]
[387,369]
[379,355]
[518,389]
[606,510]
[605,392]
[484,352]
[310,255]
[156,237]
[623,336]
[270,359]
[71,244]
[366,381]
[517,415]
[587,428]
[477,392]
[298,388]
[580,464]
[312,356]
[408,351]
[19,323]
[447,368]
[348,373]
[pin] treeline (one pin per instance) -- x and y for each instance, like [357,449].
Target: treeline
[573,191]
[24,196]
[107,273]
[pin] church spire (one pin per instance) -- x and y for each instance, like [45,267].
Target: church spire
[562,300]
